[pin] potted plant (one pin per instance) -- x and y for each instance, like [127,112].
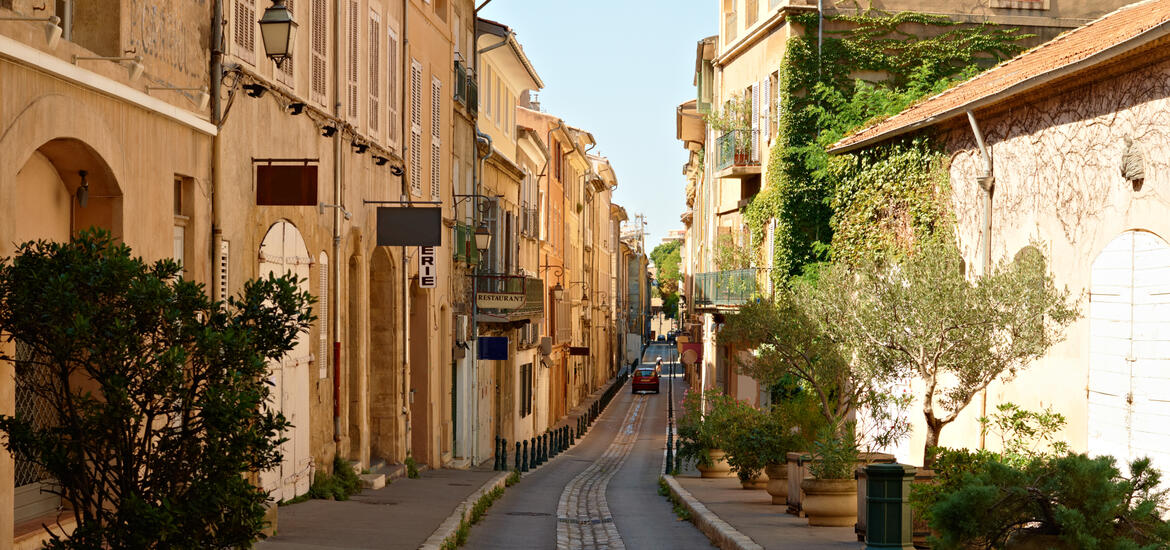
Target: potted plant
[830,496]
[790,421]
[700,432]
[745,431]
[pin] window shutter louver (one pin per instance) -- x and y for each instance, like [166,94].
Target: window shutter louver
[416,128]
[319,53]
[246,30]
[223,270]
[375,70]
[352,76]
[755,121]
[284,71]
[766,112]
[392,86]
[436,138]
[323,317]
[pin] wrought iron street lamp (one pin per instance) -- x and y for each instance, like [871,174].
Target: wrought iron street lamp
[278,30]
[483,237]
[558,292]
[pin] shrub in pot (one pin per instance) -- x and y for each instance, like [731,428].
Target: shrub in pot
[1071,501]
[701,434]
[830,497]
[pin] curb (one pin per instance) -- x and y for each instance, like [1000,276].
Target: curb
[451,524]
[721,533]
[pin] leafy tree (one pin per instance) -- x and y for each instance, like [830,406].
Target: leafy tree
[667,257]
[158,393]
[924,317]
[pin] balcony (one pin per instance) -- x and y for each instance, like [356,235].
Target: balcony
[460,83]
[724,289]
[509,298]
[737,154]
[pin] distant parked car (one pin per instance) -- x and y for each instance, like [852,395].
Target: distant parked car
[645,379]
[661,337]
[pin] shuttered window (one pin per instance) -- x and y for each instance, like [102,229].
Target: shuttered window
[351,79]
[392,86]
[436,137]
[755,122]
[284,71]
[319,51]
[323,315]
[245,32]
[766,109]
[375,113]
[416,127]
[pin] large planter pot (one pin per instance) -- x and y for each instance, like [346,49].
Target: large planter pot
[758,482]
[718,468]
[777,482]
[830,502]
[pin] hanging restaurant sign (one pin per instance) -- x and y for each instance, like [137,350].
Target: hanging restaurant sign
[499,300]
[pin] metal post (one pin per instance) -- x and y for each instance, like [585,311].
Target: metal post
[524,464]
[496,465]
[518,456]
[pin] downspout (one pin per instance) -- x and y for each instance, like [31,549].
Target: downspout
[986,180]
[216,70]
[334,314]
[405,196]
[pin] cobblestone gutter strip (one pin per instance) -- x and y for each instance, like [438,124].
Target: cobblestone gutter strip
[461,513]
[721,533]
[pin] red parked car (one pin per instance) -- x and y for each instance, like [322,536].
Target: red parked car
[645,379]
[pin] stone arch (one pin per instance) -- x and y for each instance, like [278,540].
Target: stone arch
[387,421]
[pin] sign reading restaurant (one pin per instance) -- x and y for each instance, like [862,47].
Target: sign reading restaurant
[499,300]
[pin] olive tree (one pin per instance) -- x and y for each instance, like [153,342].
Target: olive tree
[156,394]
[957,334]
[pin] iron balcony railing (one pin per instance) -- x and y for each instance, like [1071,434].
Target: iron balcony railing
[738,148]
[724,288]
[460,83]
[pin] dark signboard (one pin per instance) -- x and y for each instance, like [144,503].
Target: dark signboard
[493,348]
[410,226]
[573,350]
[286,185]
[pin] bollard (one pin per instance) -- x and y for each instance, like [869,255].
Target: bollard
[496,452]
[888,522]
[544,447]
[503,454]
[524,464]
[535,454]
[517,455]
[677,458]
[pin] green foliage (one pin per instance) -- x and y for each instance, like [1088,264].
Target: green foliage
[835,453]
[1025,435]
[734,114]
[1083,501]
[924,318]
[683,513]
[513,478]
[731,255]
[820,102]
[411,467]
[667,257]
[159,392]
[343,484]
[478,511]
[700,432]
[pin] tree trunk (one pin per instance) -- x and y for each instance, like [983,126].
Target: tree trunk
[933,427]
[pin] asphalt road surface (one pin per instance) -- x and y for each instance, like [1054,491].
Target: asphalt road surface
[604,492]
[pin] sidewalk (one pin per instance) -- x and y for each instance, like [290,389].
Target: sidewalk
[403,515]
[751,515]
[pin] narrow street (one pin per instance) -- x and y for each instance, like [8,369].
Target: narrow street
[604,492]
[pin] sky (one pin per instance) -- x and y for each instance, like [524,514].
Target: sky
[618,69]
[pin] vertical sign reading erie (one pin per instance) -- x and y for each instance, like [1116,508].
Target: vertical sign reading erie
[427,274]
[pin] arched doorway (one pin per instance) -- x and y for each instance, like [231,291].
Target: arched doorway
[386,418]
[1129,375]
[283,251]
[47,207]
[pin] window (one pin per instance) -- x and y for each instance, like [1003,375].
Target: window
[487,90]
[525,390]
[441,9]
[416,127]
[319,39]
[392,86]
[542,214]
[752,9]
[375,69]
[323,315]
[32,496]
[351,80]
[436,138]
[182,197]
[245,32]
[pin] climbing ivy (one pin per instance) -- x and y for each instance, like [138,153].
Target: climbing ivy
[821,101]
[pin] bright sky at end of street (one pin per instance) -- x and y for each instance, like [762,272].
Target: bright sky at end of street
[618,69]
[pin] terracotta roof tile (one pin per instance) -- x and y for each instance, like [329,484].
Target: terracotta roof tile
[1022,72]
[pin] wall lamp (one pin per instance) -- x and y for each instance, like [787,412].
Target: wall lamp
[328,130]
[296,107]
[380,160]
[135,67]
[254,90]
[584,289]
[277,29]
[322,206]
[360,148]
[201,99]
[396,170]
[52,27]
[83,189]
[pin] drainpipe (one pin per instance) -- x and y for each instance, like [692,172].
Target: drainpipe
[405,196]
[477,168]
[334,295]
[216,70]
[986,180]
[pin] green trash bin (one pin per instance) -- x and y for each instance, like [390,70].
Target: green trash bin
[887,495]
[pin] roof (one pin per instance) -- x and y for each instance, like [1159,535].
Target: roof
[487,26]
[1106,38]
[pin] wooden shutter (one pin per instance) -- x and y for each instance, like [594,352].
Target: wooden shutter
[766,111]
[416,127]
[224,249]
[375,91]
[352,73]
[755,122]
[436,137]
[245,35]
[323,316]
[392,86]
[319,52]
[284,71]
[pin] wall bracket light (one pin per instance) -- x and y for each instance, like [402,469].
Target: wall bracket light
[134,68]
[202,99]
[53,28]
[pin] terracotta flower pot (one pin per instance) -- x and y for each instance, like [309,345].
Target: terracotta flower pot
[758,482]
[718,468]
[777,482]
[830,502]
